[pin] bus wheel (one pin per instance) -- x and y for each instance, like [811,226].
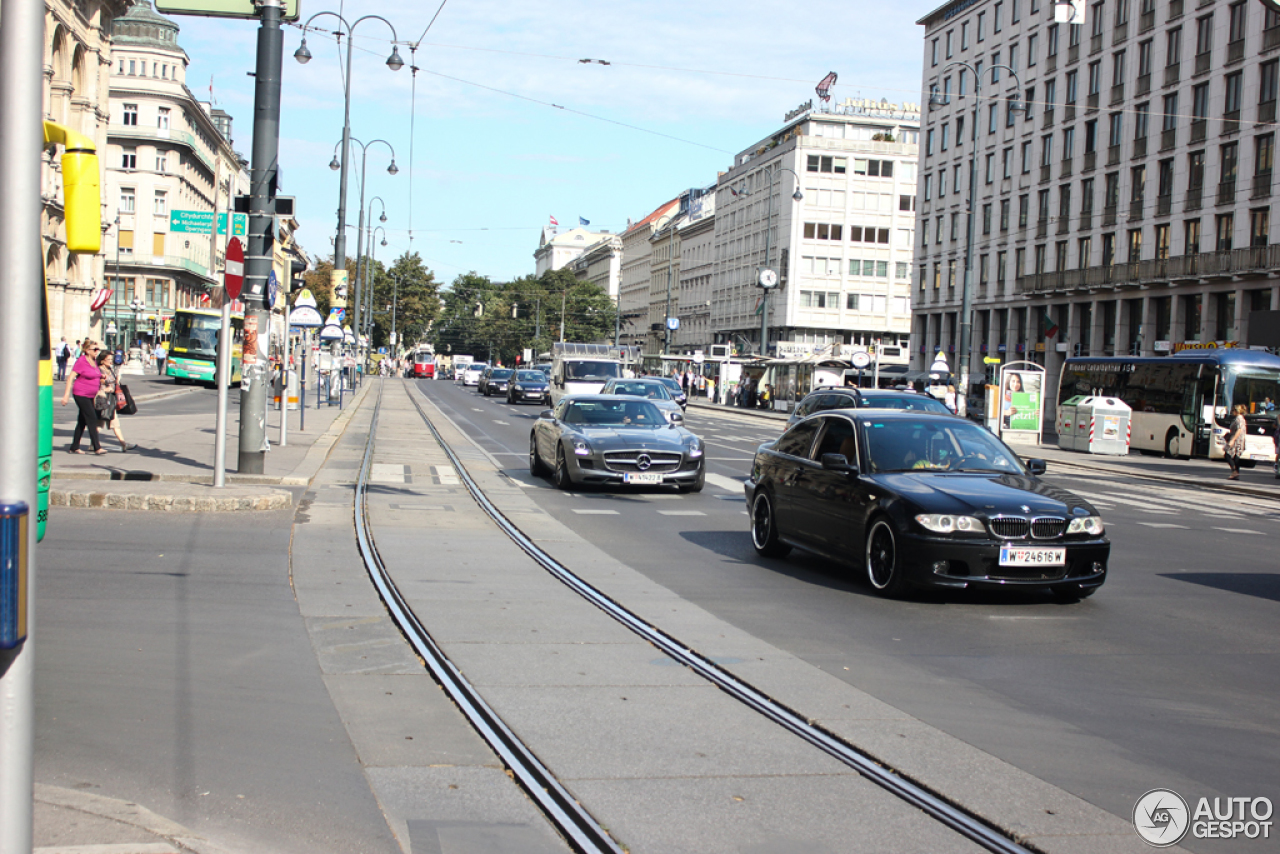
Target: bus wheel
[1172,444]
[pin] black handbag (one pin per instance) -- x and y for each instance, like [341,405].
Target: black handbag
[124,400]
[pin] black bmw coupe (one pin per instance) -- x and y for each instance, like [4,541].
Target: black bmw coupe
[917,499]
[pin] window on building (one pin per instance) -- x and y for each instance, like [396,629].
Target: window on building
[1064,202]
[128,201]
[129,159]
[162,162]
[1086,197]
[1026,157]
[1051,41]
[1204,35]
[1024,204]
[964,36]
[1042,206]
[1264,156]
[1229,162]
[1195,170]
[130,114]
[1062,253]
[1006,163]
[1141,114]
[1005,205]
[1232,94]
[162,118]
[1046,150]
[982,23]
[1108,250]
[933,53]
[1084,252]
[986,218]
[1138,181]
[1095,77]
[160,204]
[1224,229]
[1145,51]
[1116,120]
[996,18]
[1135,245]
[1259,226]
[1001,265]
[1162,242]
[1111,191]
[1073,84]
[1117,68]
[125,241]
[1191,236]
[1165,179]
[948,37]
[1173,47]
[1170,120]
[1068,143]
[1091,136]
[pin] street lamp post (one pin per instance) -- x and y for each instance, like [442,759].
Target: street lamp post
[395,63]
[370,270]
[768,278]
[115,294]
[966,297]
[359,294]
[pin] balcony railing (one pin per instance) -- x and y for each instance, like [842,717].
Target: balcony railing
[1113,155]
[1171,73]
[1143,86]
[1261,185]
[1095,44]
[1175,9]
[1065,170]
[1271,38]
[1042,228]
[1048,118]
[1051,64]
[1135,210]
[1120,33]
[1204,61]
[1046,173]
[1090,161]
[1235,51]
[1117,94]
[1091,103]
[1250,261]
[1146,21]
[1164,204]
[1140,147]
[1226,192]
[1195,198]
[1267,111]
[1198,127]
[1086,220]
[1231,122]
[1108,215]
[1168,138]
[1069,112]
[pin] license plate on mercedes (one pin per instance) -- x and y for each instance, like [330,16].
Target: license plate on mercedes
[642,477]
[1011,556]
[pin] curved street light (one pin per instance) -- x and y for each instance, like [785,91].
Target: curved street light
[937,99]
[364,158]
[395,63]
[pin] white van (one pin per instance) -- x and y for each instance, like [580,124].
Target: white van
[582,369]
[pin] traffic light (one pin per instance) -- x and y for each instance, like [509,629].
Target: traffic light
[296,268]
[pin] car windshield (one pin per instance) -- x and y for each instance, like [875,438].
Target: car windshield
[500,374]
[935,444]
[614,413]
[671,384]
[588,371]
[531,377]
[919,402]
[653,391]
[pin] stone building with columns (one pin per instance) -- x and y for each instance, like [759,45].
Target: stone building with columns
[77,66]
[1128,210]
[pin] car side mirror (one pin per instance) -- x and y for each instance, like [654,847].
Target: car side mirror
[677,418]
[546,413]
[838,462]
[1037,467]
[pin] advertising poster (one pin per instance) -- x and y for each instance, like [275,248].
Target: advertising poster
[1020,400]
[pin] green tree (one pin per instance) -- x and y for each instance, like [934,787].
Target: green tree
[410,290]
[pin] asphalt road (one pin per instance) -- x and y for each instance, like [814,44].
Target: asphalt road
[1168,677]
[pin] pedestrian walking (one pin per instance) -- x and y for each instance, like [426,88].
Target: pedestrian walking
[1234,446]
[711,390]
[161,353]
[950,398]
[684,382]
[62,353]
[105,400]
[83,384]
[1275,438]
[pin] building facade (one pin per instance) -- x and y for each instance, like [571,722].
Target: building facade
[77,64]
[697,263]
[556,250]
[636,277]
[168,158]
[601,264]
[1128,210]
[842,251]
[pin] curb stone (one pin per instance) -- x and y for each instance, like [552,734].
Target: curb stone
[172,838]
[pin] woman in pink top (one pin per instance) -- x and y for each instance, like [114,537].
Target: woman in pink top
[83,384]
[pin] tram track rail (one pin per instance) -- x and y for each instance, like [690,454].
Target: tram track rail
[579,828]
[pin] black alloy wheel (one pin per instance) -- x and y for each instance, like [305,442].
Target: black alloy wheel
[883,566]
[537,467]
[764,528]
[562,479]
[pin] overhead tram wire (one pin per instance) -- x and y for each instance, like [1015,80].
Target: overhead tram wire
[413,106]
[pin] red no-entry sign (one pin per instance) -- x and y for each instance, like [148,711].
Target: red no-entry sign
[233,279]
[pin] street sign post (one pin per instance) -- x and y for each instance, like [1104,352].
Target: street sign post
[233,281]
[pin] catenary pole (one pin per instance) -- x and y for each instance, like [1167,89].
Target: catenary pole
[22,40]
[258,257]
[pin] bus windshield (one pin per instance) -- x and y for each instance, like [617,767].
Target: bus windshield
[590,371]
[196,335]
[1258,391]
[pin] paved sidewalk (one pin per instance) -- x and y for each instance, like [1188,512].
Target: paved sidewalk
[172,467]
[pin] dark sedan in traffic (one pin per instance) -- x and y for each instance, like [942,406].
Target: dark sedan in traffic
[916,499]
[611,439]
[526,385]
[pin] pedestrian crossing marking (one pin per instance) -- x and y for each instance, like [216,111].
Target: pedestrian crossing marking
[681,513]
[728,484]
[1239,531]
[581,512]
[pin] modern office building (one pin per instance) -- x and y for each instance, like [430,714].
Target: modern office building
[697,263]
[1128,209]
[842,251]
[636,277]
[168,156]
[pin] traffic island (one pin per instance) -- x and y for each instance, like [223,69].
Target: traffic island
[167,497]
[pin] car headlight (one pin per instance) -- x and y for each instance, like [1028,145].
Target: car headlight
[695,450]
[1086,525]
[941,523]
[581,448]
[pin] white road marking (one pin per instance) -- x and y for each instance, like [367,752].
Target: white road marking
[447,474]
[596,512]
[387,473]
[728,484]
[1239,531]
[1027,617]
[1162,525]
[681,513]
[503,423]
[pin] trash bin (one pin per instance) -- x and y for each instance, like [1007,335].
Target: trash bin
[1102,426]
[1065,425]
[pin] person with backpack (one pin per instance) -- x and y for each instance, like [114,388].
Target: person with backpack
[63,355]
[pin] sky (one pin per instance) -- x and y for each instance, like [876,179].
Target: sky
[509,128]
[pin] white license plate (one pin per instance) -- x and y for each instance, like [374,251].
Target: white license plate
[1262,457]
[1010,556]
[642,477]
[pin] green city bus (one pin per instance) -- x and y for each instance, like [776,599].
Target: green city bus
[193,345]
